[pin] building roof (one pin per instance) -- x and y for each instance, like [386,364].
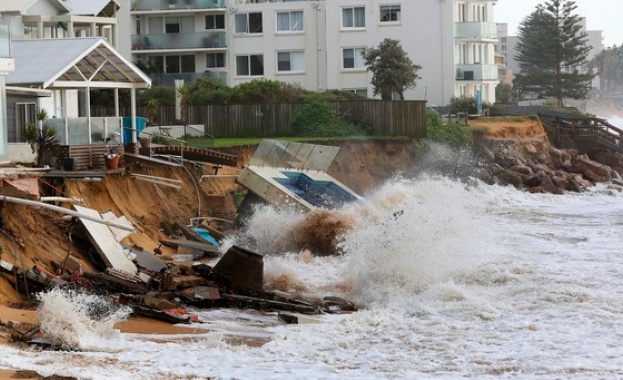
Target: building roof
[24,5]
[92,7]
[72,63]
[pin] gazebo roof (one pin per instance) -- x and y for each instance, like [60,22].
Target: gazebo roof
[93,7]
[72,63]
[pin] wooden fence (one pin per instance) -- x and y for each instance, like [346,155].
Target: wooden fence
[386,118]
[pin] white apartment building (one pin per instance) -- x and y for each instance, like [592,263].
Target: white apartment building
[36,19]
[318,44]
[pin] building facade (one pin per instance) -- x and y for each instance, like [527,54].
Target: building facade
[317,44]
[7,65]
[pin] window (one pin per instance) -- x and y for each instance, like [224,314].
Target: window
[390,13]
[353,58]
[214,60]
[290,61]
[25,113]
[173,64]
[172,25]
[250,65]
[354,17]
[504,39]
[215,22]
[363,92]
[461,12]
[289,21]
[248,23]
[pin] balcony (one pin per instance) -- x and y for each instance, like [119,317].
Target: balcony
[179,41]
[153,5]
[5,41]
[189,78]
[475,30]
[477,72]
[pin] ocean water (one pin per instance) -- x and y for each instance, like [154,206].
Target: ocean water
[454,281]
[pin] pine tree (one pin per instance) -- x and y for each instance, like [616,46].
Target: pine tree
[392,70]
[552,53]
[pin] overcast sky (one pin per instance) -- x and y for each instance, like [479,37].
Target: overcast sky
[605,15]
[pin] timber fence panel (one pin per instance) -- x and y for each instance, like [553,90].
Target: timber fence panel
[384,117]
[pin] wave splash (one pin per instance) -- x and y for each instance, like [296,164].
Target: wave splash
[78,321]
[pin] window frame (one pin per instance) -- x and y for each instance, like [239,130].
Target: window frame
[247,16]
[353,26]
[395,9]
[290,70]
[290,29]
[355,49]
[249,65]
[26,113]
[216,60]
[215,20]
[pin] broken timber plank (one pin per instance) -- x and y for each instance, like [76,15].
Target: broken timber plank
[209,249]
[105,243]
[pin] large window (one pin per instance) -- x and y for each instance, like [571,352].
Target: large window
[215,60]
[389,13]
[288,61]
[173,64]
[248,23]
[289,21]
[250,65]
[353,58]
[354,17]
[171,24]
[215,22]
[25,113]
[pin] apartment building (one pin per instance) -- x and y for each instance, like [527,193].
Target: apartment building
[317,44]
[36,19]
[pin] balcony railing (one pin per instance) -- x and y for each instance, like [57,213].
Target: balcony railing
[188,78]
[475,30]
[149,5]
[75,130]
[476,72]
[203,40]
[5,41]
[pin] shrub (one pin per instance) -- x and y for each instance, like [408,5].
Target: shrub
[453,134]
[317,119]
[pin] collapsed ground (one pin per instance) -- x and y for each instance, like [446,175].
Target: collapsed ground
[30,235]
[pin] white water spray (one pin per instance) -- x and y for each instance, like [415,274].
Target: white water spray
[77,320]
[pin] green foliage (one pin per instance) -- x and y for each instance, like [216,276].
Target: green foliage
[43,142]
[463,104]
[552,51]
[392,70]
[318,119]
[455,135]
[503,93]
[164,95]
[265,91]
[334,95]
[208,90]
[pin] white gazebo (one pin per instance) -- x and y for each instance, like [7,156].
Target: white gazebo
[67,66]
